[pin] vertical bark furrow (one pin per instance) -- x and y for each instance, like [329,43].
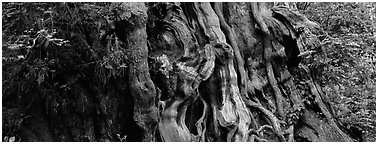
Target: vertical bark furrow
[229,32]
[191,68]
[233,114]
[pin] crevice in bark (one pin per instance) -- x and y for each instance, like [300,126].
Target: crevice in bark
[218,8]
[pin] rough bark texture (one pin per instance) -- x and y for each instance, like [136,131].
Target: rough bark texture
[195,72]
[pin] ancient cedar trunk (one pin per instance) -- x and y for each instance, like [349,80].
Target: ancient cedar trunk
[195,72]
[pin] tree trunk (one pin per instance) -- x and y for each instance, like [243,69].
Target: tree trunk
[190,72]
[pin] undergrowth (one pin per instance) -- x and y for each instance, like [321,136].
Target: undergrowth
[348,70]
[44,52]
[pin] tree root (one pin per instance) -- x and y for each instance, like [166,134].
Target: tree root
[290,131]
[253,138]
[273,119]
[256,10]
[324,109]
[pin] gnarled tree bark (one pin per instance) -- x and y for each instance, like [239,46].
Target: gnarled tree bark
[203,72]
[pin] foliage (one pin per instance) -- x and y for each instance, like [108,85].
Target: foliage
[12,118]
[115,64]
[21,18]
[348,68]
[41,55]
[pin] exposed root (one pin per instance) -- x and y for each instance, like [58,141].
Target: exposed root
[290,131]
[254,138]
[256,10]
[325,98]
[273,119]
[322,106]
